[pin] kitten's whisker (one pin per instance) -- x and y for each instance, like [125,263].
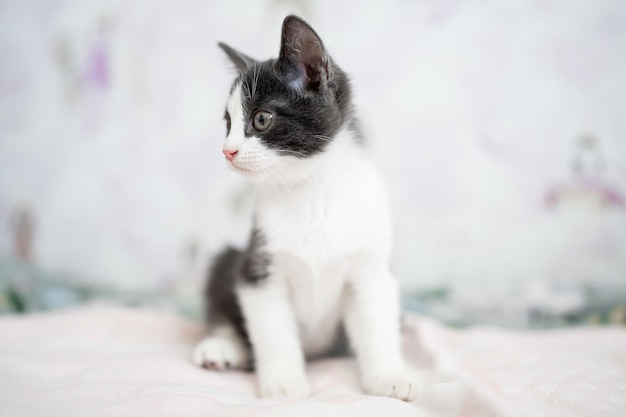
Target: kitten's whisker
[258,73]
[290,152]
[246,86]
[255,71]
[322,137]
[245,95]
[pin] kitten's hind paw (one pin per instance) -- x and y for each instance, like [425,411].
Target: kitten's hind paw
[220,353]
[401,384]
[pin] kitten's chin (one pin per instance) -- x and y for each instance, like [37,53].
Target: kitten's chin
[251,174]
[280,173]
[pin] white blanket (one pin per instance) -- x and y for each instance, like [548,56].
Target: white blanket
[126,362]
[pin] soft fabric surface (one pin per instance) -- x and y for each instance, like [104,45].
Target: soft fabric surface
[125,362]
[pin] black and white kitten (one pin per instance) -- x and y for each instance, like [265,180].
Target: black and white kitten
[318,260]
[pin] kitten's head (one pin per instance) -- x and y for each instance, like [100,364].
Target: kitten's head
[284,112]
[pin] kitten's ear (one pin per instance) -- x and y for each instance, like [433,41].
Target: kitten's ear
[302,58]
[241,61]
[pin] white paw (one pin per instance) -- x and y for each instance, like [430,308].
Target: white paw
[220,353]
[284,383]
[401,384]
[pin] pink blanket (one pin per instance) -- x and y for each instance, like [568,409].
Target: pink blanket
[125,362]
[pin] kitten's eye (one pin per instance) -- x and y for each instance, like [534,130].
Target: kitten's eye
[227,117]
[262,120]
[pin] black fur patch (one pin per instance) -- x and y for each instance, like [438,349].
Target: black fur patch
[221,301]
[307,93]
[230,268]
[256,261]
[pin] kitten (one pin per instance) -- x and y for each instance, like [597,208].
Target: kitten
[318,259]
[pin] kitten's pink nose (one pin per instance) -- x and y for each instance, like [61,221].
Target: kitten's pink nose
[229,153]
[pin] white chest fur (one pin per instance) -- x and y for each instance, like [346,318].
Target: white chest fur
[314,227]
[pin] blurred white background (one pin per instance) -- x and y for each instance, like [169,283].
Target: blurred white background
[499,126]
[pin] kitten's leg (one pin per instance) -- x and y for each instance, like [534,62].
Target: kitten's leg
[225,346]
[273,332]
[372,320]
[222,349]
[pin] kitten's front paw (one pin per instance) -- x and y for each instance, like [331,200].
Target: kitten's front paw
[220,353]
[284,383]
[401,384]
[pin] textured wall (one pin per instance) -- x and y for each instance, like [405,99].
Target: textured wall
[498,125]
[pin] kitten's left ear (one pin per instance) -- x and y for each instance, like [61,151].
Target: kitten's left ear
[241,61]
[303,57]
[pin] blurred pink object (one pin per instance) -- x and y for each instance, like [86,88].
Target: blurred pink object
[585,191]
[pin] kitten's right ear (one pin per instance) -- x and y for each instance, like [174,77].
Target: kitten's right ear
[303,57]
[241,61]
